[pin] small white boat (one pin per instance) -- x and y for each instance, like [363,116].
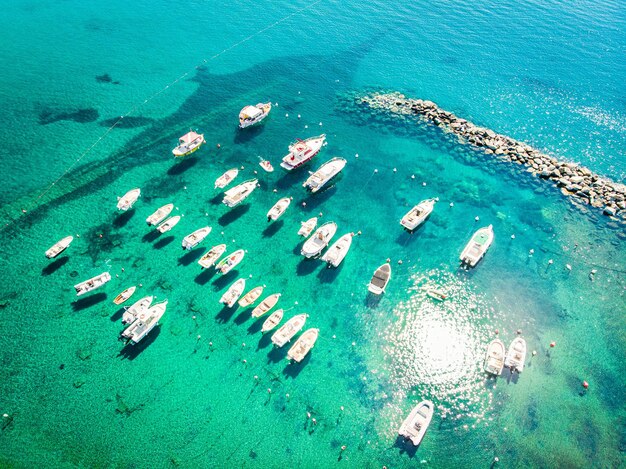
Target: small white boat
[380,279]
[233,293]
[59,247]
[188,143]
[415,426]
[212,256]
[278,209]
[307,227]
[128,200]
[325,173]
[125,295]
[168,224]
[494,358]
[146,321]
[265,305]
[303,345]
[516,355]
[320,239]
[418,214]
[477,247]
[236,195]
[272,321]
[136,308]
[302,151]
[286,332]
[226,178]
[230,262]
[192,240]
[436,294]
[92,283]
[337,252]
[251,296]
[251,115]
[160,215]
[266,165]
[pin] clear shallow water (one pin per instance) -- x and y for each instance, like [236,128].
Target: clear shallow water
[201,404]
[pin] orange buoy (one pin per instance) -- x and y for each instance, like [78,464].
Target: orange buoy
[585,384]
[552,344]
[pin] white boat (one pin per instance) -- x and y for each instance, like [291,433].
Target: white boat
[125,295]
[265,305]
[320,239]
[226,178]
[415,426]
[272,321]
[251,296]
[230,262]
[160,215]
[303,345]
[286,332]
[325,173]
[168,224]
[266,165]
[212,256]
[188,143]
[128,200]
[146,321]
[251,115]
[136,308]
[516,355]
[477,247]
[336,253]
[418,214]
[92,283]
[436,294]
[278,209]
[380,279]
[192,240]
[302,151]
[307,227]
[237,194]
[494,358]
[59,247]
[233,293]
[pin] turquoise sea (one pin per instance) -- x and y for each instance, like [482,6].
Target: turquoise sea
[205,388]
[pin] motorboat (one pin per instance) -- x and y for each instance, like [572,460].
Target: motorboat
[307,226]
[212,256]
[303,345]
[161,214]
[233,293]
[146,321]
[278,209]
[415,426]
[320,239]
[192,240]
[59,247]
[380,279]
[125,295]
[494,358]
[230,262]
[168,224]
[302,151]
[272,321]
[128,200]
[251,115]
[237,194]
[516,355]
[336,253]
[286,332]
[251,296]
[436,294]
[265,305]
[133,311]
[266,165]
[418,214]
[325,173]
[477,247]
[188,143]
[92,283]
[226,178]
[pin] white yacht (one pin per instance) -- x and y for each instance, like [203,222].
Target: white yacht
[136,308]
[320,239]
[188,143]
[286,332]
[192,240]
[418,214]
[226,178]
[337,252]
[125,295]
[145,322]
[230,262]
[494,358]
[415,426]
[236,195]
[59,247]
[168,224]
[160,215]
[272,321]
[128,200]
[251,115]
[278,209]
[307,226]
[516,355]
[265,305]
[251,296]
[266,165]
[380,279]
[302,151]
[325,173]
[212,256]
[92,283]
[477,247]
[233,293]
[303,345]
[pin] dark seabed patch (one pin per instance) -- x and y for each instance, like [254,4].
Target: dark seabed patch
[106,78]
[81,116]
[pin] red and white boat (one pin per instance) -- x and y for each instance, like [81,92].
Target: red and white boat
[302,151]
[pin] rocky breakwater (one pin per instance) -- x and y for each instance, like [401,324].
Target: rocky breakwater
[576,181]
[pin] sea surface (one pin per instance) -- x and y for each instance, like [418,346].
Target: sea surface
[206,388]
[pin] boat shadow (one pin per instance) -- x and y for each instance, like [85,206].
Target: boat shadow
[203,277]
[225,314]
[247,134]
[306,267]
[273,229]
[243,316]
[181,167]
[224,280]
[313,201]
[122,219]
[55,265]
[190,257]
[288,179]
[118,314]
[217,199]
[264,341]
[329,274]
[511,377]
[130,352]
[160,244]
[405,447]
[275,355]
[88,302]
[233,215]
[256,326]
[293,369]
[406,236]
[150,236]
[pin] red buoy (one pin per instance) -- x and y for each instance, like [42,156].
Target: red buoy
[552,344]
[585,384]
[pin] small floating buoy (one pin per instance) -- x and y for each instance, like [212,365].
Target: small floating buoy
[275,190]
[320,123]
[375,171]
[512,236]
[193,317]
[388,259]
[353,344]
[534,353]
[6,416]
[269,390]
[78,236]
[423,184]
[219,146]
[123,269]
[593,272]
[242,167]
[496,459]
[243,344]
[244,361]
[550,262]
[141,284]
[585,384]
[497,331]
[222,233]
[304,204]
[341,408]
[356,155]
[256,172]
[100,235]
[117,275]
[334,336]
[185,187]
[476,218]
[250,276]
[210,344]
[531,252]
[320,214]
[399,261]
[314,421]
[395,170]
[358,233]
[306,126]
[287,395]
[206,214]
[298,116]
[286,115]
[343,447]
[23,210]
[568,267]
[552,344]
[256,377]
[451,204]
[519,331]
[199,336]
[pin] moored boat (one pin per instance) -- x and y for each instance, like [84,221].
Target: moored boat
[128,200]
[302,151]
[337,252]
[418,214]
[303,345]
[320,239]
[212,256]
[278,209]
[230,262]
[145,322]
[272,321]
[307,226]
[516,355]
[494,358]
[192,240]
[265,305]
[92,283]
[286,332]
[324,173]
[380,279]
[59,247]
[233,293]
[477,246]
[266,165]
[436,294]
[133,311]
[251,115]
[160,215]
[415,425]
[168,224]
[125,295]
[251,296]
[237,194]
[188,143]
[226,178]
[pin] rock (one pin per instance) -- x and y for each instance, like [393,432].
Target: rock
[609,211]
[576,179]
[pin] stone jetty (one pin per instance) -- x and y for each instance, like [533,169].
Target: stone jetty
[576,181]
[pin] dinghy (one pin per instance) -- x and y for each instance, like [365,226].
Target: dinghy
[146,321]
[251,296]
[230,262]
[494,358]
[418,214]
[325,173]
[415,426]
[380,279]
[272,321]
[251,115]
[278,209]
[302,151]
[168,224]
[320,239]
[233,293]
[133,311]
[92,283]
[265,305]
[516,355]
[59,247]
[337,252]
[128,200]
[192,240]
[266,165]
[226,178]
[286,332]
[212,256]
[188,143]
[477,247]
[237,194]
[125,295]
[303,345]
[436,294]
[307,227]
[160,215]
